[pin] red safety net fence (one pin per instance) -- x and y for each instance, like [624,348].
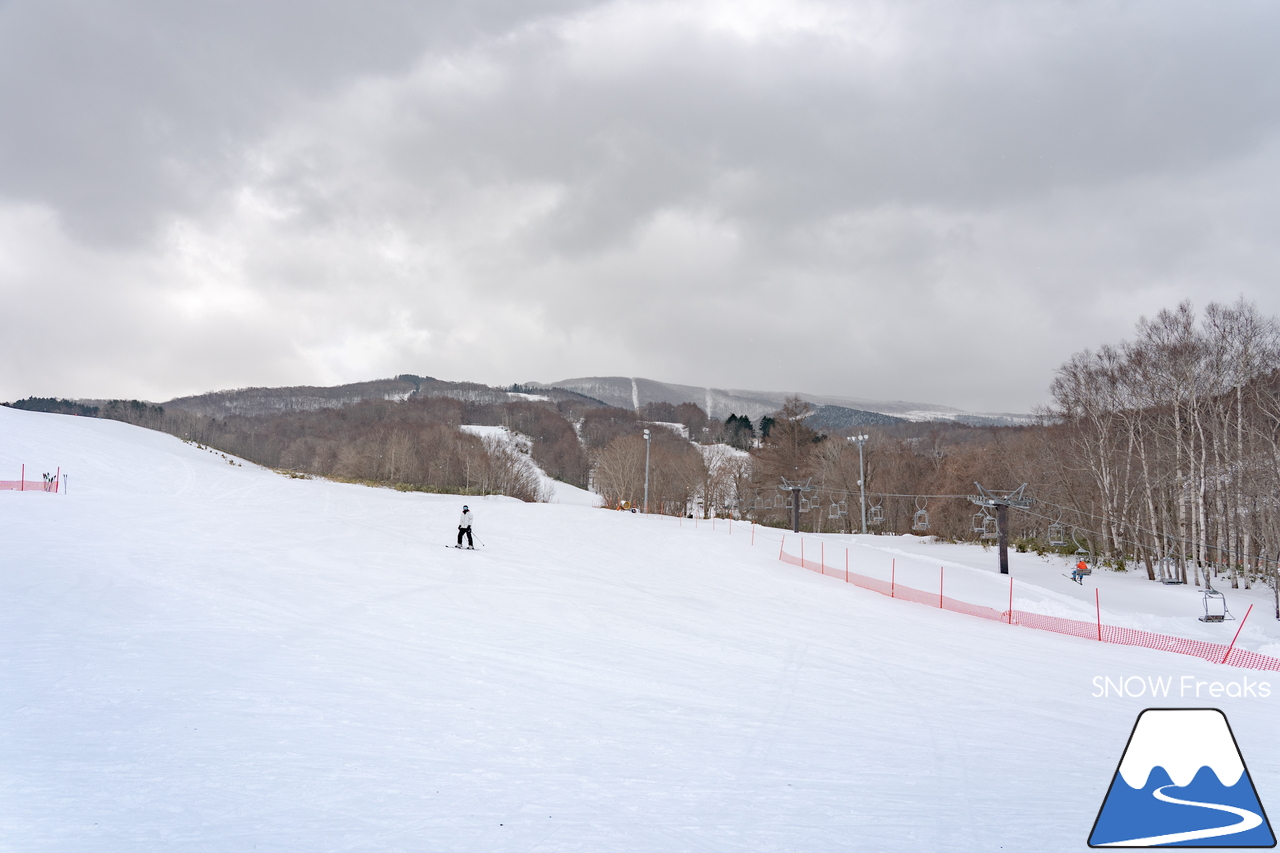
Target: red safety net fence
[28,486]
[1096,630]
[22,484]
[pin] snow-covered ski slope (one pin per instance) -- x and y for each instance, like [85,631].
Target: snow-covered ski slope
[200,656]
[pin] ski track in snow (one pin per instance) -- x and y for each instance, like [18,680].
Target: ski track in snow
[199,656]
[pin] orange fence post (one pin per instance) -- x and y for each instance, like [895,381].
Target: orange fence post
[1237,636]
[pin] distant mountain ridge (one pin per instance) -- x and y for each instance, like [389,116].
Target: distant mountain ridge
[305,398]
[633,392]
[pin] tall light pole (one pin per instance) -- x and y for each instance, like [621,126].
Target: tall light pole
[862,478]
[647,438]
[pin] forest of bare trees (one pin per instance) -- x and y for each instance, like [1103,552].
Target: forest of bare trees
[1160,453]
[1173,439]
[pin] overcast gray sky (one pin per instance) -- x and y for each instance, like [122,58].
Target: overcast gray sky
[927,201]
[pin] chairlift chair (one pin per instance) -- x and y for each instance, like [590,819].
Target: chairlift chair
[1057,534]
[875,514]
[1215,606]
[920,521]
[1082,549]
[833,511]
[1169,572]
[990,530]
[978,525]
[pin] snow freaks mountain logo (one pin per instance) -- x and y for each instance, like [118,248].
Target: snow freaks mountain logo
[1181,783]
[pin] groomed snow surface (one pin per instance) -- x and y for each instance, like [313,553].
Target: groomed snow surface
[212,657]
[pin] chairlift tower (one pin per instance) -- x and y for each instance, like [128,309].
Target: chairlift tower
[1001,501]
[795,489]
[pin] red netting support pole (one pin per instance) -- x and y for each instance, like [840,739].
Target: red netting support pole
[753,533]
[783,545]
[1010,599]
[57,478]
[846,565]
[1097,603]
[1237,636]
[822,556]
[893,576]
[802,552]
[22,478]
[940,571]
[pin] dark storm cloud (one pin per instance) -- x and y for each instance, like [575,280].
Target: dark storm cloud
[119,113]
[834,197]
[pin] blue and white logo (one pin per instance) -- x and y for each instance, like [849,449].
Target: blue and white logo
[1182,783]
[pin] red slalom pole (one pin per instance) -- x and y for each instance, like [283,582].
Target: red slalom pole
[1098,604]
[1237,636]
[57,478]
[753,533]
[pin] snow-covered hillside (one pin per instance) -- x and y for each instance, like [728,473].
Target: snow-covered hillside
[553,490]
[199,655]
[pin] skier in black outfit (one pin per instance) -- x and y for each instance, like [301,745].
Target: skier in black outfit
[464,526]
